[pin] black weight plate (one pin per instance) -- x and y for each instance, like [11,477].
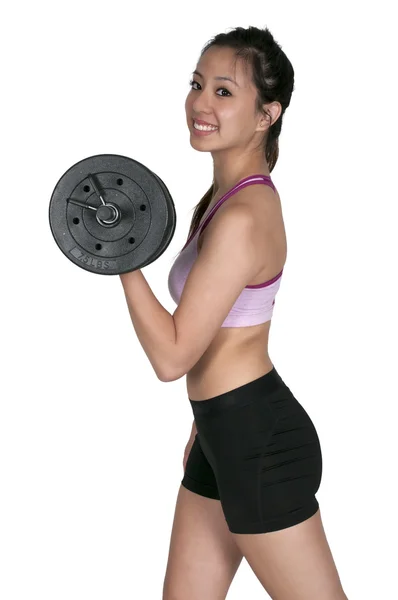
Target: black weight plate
[169,232]
[147,215]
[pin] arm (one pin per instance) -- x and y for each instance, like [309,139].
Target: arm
[153,324]
[227,262]
[225,265]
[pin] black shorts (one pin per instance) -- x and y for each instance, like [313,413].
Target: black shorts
[258,452]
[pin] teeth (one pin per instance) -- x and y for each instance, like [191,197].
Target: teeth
[204,127]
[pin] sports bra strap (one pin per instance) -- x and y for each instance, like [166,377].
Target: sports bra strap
[252,179]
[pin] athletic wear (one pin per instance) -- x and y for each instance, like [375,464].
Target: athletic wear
[258,452]
[255,304]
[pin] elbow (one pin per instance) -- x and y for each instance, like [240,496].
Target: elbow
[167,375]
[170,377]
[177,366]
[163,377]
[162,374]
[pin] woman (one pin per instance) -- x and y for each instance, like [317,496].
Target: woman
[253,463]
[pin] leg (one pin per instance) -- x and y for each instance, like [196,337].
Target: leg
[294,563]
[203,556]
[266,454]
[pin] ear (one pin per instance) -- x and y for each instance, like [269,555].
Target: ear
[273,110]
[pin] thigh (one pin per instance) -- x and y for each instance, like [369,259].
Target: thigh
[203,556]
[199,476]
[294,563]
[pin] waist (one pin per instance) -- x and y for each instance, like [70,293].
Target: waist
[264,386]
[234,356]
[225,374]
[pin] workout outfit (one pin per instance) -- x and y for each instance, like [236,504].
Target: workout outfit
[256,302]
[256,448]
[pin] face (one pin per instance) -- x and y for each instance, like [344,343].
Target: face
[228,105]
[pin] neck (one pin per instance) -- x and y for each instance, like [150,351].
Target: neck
[227,174]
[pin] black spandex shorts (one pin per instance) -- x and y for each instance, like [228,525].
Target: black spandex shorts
[258,452]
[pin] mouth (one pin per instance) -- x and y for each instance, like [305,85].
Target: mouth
[205,123]
[204,129]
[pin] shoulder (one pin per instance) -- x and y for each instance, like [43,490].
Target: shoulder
[258,197]
[252,220]
[256,206]
[232,223]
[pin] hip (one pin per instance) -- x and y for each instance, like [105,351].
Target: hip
[240,424]
[216,377]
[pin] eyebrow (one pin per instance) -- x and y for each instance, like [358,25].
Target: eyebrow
[223,78]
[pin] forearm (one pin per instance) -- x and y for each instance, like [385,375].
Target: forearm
[153,324]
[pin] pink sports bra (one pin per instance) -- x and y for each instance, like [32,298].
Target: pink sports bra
[255,304]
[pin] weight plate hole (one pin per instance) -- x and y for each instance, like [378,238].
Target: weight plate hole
[98,246]
[119,181]
[86,188]
[131,240]
[142,207]
[76,221]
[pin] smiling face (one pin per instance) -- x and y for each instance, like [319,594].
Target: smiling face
[229,104]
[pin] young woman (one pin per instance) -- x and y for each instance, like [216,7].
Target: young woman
[253,463]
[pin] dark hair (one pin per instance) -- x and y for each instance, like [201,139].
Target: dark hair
[273,76]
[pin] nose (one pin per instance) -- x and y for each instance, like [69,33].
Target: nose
[202,103]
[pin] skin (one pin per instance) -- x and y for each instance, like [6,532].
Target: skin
[295,563]
[236,355]
[244,244]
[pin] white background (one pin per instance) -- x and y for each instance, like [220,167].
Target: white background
[91,442]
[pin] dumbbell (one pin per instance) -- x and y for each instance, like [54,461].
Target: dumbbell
[110,214]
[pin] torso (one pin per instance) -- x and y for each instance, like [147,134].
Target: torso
[238,355]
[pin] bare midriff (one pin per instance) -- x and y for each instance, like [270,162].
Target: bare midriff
[236,356]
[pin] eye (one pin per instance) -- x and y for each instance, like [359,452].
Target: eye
[223,89]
